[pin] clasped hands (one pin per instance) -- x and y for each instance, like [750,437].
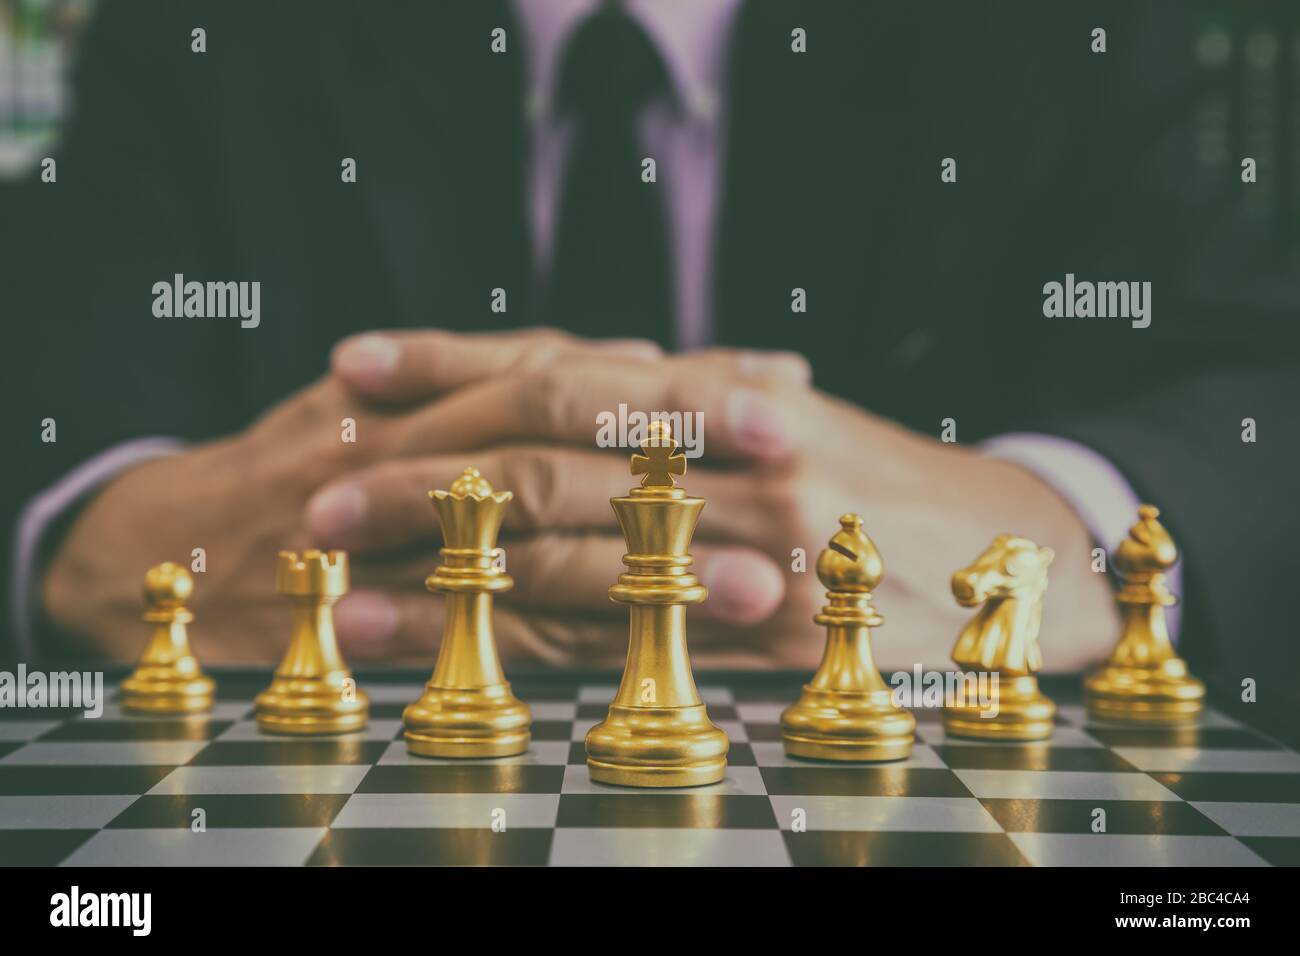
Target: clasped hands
[781,462]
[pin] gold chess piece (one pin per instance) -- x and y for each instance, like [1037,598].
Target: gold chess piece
[847,711]
[168,679]
[1143,680]
[467,708]
[1009,579]
[657,732]
[312,691]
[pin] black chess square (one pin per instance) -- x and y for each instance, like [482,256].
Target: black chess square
[128,730]
[231,810]
[69,780]
[863,848]
[419,847]
[1157,817]
[1033,756]
[666,811]
[863,781]
[462,778]
[1233,787]
[315,752]
[39,847]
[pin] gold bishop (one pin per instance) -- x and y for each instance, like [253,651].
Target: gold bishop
[847,711]
[1143,680]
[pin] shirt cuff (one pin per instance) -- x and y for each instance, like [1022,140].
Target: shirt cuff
[1097,491]
[44,509]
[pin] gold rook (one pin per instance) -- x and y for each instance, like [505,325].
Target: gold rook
[312,691]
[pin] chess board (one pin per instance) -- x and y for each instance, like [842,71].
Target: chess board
[127,791]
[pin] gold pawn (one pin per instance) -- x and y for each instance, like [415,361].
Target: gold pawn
[313,691]
[467,708]
[847,712]
[999,647]
[657,732]
[1144,681]
[168,679]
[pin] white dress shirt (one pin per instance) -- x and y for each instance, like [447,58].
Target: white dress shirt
[692,37]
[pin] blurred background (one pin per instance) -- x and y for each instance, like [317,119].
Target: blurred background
[38,41]
[1192,86]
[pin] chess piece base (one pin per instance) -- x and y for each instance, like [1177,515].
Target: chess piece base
[1023,713]
[468,722]
[309,707]
[838,725]
[657,747]
[1156,696]
[160,690]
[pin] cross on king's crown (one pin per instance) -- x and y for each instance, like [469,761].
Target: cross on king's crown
[659,458]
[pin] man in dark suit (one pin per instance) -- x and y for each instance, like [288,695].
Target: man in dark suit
[840,256]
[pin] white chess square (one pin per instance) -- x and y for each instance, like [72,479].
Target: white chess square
[181,846]
[459,811]
[1062,785]
[646,846]
[1132,850]
[876,814]
[290,779]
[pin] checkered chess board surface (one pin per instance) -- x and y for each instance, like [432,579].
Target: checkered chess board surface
[121,790]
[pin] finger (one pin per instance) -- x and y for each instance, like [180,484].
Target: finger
[779,368]
[556,488]
[572,573]
[407,366]
[585,401]
[367,622]
[387,505]
[745,586]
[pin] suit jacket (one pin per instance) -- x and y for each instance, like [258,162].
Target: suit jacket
[925,298]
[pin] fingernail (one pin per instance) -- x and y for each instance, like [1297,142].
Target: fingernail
[368,359]
[743,588]
[365,617]
[786,365]
[755,424]
[335,512]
